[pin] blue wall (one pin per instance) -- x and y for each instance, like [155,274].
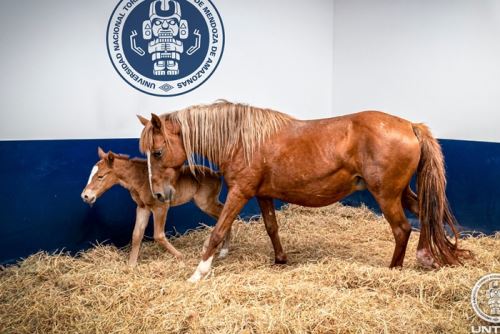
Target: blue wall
[41,182]
[41,208]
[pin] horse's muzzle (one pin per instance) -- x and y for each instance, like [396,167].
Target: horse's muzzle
[89,199]
[167,195]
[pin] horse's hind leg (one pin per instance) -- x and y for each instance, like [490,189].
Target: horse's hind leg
[393,212]
[424,255]
[207,199]
[267,208]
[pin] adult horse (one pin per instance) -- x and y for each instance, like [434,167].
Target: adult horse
[268,154]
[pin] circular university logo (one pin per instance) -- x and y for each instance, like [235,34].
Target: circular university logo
[485,298]
[165,47]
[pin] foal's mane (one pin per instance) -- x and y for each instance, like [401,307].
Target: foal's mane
[127,157]
[121,156]
[216,130]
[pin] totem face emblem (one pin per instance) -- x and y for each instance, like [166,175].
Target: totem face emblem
[180,46]
[163,28]
[170,27]
[493,296]
[485,298]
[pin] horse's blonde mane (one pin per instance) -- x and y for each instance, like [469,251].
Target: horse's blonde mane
[216,130]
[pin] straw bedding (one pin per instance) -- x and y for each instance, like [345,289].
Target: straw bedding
[337,280]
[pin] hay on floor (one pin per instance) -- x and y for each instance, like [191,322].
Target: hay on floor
[337,280]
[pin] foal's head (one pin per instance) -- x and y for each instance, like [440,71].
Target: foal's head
[161,141]
[102,177]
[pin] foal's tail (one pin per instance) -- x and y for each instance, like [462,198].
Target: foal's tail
[434,210]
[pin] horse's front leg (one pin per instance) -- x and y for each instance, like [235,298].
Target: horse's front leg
[212,207]
[224,250]
[234,203]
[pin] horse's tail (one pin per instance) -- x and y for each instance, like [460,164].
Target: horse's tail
[434,210]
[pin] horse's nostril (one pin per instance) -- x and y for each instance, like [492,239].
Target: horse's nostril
[86,196]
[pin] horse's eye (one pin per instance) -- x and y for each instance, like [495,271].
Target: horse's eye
[100,177]
[157,154]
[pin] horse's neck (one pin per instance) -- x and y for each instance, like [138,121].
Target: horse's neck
[131,175]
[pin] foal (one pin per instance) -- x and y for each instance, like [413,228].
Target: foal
[132,174]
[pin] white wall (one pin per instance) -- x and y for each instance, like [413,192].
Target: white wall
[436,61]
[58,82]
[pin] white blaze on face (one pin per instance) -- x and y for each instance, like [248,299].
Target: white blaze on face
[150,174]
[92,173]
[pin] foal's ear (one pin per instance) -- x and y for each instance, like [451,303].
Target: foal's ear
[143,120]
[156,121]
[110,159]
[101,153]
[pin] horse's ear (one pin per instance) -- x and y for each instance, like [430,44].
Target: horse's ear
[110,159]
[101,153]
[143,120]
[156,121]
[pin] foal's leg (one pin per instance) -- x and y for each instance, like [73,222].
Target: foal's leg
[207,199]
[141,221]
[234,203]
[393,212]
[160,216]
[424,255]
[267,208]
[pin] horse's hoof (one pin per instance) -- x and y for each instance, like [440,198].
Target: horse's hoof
[199,275]
[195,278]
[396,267]
[282,260]
[425,260]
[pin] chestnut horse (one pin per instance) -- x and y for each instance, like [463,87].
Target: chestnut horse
[132,174]
[268,154]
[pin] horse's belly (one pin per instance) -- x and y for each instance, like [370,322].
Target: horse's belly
[309,192]
[312,200]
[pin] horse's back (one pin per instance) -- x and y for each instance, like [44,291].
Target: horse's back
[326,157]
[344,137]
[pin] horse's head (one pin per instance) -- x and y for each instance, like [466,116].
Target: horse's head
[161,141]
[101,177]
